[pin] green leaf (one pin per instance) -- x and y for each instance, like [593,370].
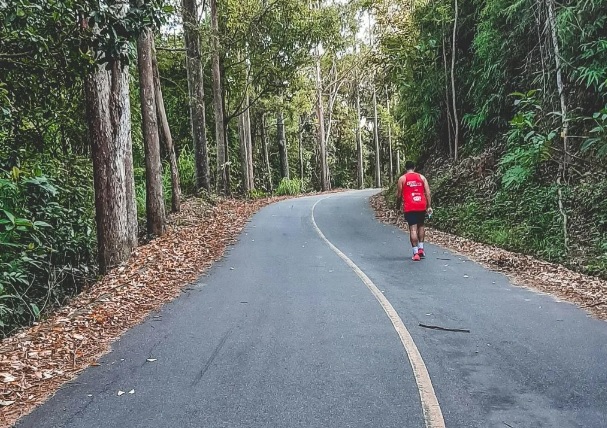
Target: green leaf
[10,216]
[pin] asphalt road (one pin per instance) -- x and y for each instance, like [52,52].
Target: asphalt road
[283,333]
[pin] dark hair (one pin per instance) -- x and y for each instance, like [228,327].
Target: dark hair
[409,165]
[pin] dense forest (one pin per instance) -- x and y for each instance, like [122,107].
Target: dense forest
[113,111]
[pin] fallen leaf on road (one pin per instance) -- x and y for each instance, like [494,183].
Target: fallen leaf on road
[6,403]
[7,377]
[132,391]
[151,360]
[120,393]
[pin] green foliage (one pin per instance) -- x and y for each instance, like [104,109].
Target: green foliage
[526,148]
[257,194]
[46,236]
[597,142]
[187,172]
[291,187]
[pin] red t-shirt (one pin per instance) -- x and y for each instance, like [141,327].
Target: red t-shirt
[414,195]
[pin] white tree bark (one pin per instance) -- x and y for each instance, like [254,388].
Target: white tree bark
[195,77]
[562,175]
[155,212]
[454,99]
[109,125]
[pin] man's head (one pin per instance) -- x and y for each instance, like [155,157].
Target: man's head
[410,166]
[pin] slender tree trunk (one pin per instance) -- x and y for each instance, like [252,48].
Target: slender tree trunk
[166,137]
[359,142]
[376,140]
[222,179]
[155,212]
[196,93]
[398,170]
[447,101]
[226,124]
[455,118]
[302,123]
[266,154]
[389,138]
[244,154]
[282,145]
[562,174]
[249,144]
[108,117]
[324,182]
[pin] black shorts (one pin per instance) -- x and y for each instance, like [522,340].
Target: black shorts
[415,218]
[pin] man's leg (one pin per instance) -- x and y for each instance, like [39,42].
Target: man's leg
[421,235]
[413,236]
[411,219]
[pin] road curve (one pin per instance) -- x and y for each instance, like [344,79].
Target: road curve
[283,333]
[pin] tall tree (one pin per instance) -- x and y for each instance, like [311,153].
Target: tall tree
[454,98]
[391,169]
[282,144]
[195,75]
[376,141]
[166,136]
[218,103]
[320,117]
[562,172]
[360,168]
[154,200]
[266,154]
[109,124]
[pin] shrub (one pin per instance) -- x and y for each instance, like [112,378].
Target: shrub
[292,186]
[47,238]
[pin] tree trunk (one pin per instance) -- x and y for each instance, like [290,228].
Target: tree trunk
[447,101]
[251,170]
[108,116]
[195,77]
[282,145]
[324,182]
[391,169]
[226,124]
[398,171]
[359,142]
[562,174]
[376,140]
[154,201]
[244,154]
[302,123]
[266,154]
[166,137]
[222,179]
[455,118]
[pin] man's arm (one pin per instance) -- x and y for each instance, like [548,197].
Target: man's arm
[399,189]
[428,194]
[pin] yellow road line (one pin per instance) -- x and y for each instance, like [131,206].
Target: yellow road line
[433,416]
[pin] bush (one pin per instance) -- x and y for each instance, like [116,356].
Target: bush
[187,172]
[258,194]
[291,187]
[47,239]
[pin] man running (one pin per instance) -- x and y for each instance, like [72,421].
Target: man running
[414,191]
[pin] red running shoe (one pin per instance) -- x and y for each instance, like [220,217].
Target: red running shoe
[421,253]
[416,258]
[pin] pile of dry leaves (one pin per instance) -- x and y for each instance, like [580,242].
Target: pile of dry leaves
[586,291]
[36,361]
